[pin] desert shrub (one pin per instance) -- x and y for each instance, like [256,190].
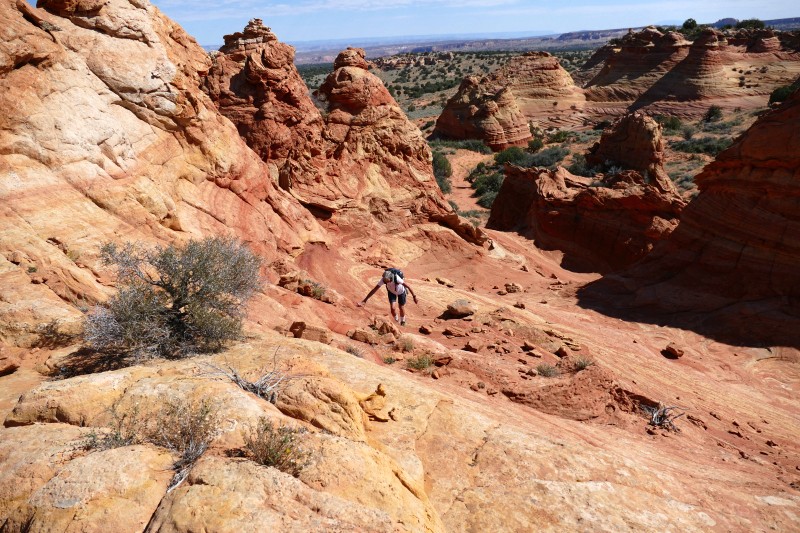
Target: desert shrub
[267,386]
[546,370]
[781,94]
[420,362]
[754,24]
[703,145]
[722,127]
[428,124]
[487,200]
[535,145]
[713,114]
[473,145]
[582,363]
[579,167]
[662,416]
[125,428]
[689,25]
[488,183]
[442,172]
[613,170]
[32,269]
[547,158]
[352,349]
[186,428]
[669,123]
[688,132]
[512,154]
[412,107]
[602,124]
[406,344]
[453,205]
[276,447]
[560,136]
[174,301]
[388,360]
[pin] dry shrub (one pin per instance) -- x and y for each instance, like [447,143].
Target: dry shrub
[267,386]
[582,363]
[174,301]
[406,344]
[352,349]
[420,362]
[277,447]
[546,370]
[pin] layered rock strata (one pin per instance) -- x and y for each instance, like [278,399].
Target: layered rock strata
[603,223]
[486,110]
[738,245]
[105,135]
[363,164]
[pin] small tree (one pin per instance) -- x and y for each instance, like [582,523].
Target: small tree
[713,114]
[690,25]
[174,301]
[750,24]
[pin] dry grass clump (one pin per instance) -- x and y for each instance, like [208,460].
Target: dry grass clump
[663,416]
[582,363]
[546,370]
[420,362]
[276,447]
[184,427]
[352,349]
[405,344]
[267,386]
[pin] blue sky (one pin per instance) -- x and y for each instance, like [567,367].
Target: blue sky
[306,20]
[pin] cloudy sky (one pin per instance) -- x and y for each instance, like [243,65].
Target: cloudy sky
[308,20]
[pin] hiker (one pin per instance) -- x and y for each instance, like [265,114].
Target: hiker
[396,288]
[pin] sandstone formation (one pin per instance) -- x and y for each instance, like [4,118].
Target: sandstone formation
[364,163]
[599,225]
[483,109]
[634,142]
[537,75]
[105,135]
[737,245]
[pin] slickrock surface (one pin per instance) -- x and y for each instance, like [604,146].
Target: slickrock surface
[738,244]
[106,135]
[603,223]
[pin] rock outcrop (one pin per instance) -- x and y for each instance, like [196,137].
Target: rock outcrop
[737,248]
[363,165]
[603,223]
[105,135]
[486,110]
[537,75]
[598,226]
[634,142]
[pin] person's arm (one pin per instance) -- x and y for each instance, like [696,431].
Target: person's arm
[411,291]
[364,302]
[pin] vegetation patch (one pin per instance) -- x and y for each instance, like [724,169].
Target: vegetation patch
[703,145]
[276,447]
[421,362]
[546,370]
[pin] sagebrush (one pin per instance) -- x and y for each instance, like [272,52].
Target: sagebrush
[174,301]
[277,447]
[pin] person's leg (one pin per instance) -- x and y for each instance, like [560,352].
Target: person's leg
[392,300]
[401,301]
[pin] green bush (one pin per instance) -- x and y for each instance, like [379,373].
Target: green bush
[473,145]
[669,123]
[560,136]
[689,25]
[713,114]
[512,154]
[688,132]
[535,145]
[548,158]
[722,127]
[487,200]
[781,94]
[421,362]
[579,167]
[442,172]
[703,145]
[428,124]
[750,24]
[488,183]
[174,301]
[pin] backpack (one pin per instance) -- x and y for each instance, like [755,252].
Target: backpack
[397,274]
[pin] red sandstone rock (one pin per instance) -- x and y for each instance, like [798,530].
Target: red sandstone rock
[301,330]
[597,228]
[486,110]
[673,349]
[736,251]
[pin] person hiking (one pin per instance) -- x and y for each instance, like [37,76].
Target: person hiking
[396,288]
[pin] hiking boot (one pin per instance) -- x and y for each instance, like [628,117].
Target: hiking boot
[402,321]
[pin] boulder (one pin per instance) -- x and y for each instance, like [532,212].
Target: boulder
[673,350]
[386,325]
[325,403]
[301,330]
[473,345]
[9,363]
[461,308]
[444,281]
[513,287]
[361,335]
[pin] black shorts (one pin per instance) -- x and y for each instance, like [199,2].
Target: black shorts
[395,298]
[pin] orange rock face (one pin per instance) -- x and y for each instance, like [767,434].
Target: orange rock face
[597,228]
[363,165]
[486,110]
[737,248]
